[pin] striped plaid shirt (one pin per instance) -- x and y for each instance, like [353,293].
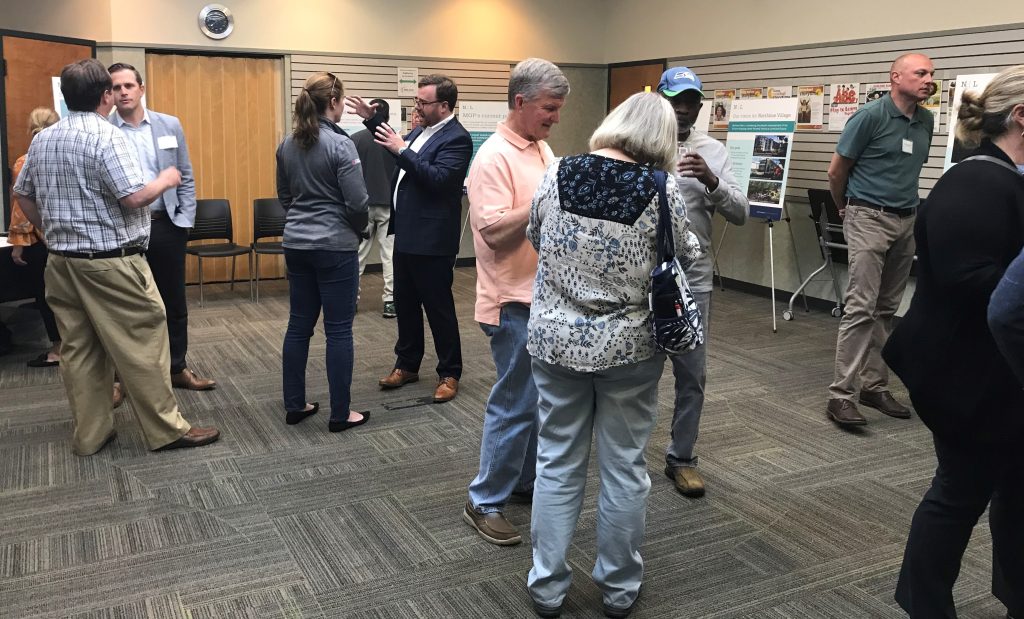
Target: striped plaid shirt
[77,171]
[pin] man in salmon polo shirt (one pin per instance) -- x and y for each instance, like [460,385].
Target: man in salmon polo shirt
[502,180]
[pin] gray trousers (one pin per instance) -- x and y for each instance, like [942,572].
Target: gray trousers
[690,371]
[881,250]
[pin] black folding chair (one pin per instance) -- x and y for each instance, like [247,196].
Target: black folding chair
[268,217]
[828,225]
[213,222]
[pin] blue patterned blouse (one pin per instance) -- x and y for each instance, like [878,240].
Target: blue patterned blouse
[594,224]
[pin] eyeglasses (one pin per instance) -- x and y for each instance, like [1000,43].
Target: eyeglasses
[421,103]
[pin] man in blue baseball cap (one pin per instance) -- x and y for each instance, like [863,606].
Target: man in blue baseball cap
[705,178]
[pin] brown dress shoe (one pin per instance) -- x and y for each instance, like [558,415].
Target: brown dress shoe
[493,527]
[397,378]
[844,413]
[196,437]
[187,379]
[883,402]
[687,480]
[118,395]
[447,389]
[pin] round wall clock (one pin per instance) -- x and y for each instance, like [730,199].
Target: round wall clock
[216,21]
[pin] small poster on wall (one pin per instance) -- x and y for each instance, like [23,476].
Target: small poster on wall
[810,107]
[720,108]
[759,140]
[955,150]
[58,98]
[843,104]
[750,93]
[408,77]
[934,103]
[780,92]
[481,119]
[875,91]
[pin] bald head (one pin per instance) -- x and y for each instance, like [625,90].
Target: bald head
[911,77]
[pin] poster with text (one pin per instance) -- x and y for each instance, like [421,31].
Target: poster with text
[58,98]
[481,118]
[780,92]
[934,104]
[750,93]
[352,122]
[720,108]
[876,90]
[703,122]
[759,143]
[955,150]
[810,114]
[844,102]
[408,77]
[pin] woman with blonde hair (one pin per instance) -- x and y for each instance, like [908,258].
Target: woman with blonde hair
[969,231]
[320,183]
[594,224]
[29,249]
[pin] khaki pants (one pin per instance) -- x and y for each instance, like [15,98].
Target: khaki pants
[881,251]
[110,314]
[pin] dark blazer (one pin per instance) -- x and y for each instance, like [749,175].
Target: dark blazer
[427,220]
[967,233]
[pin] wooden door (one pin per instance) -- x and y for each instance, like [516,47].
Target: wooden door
[230,109]
[31,64]
[628,79]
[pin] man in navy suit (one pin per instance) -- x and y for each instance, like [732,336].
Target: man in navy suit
[426,218]
[160,143]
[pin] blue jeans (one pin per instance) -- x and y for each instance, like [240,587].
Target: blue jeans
[329,279]
[508,447]
[618,406]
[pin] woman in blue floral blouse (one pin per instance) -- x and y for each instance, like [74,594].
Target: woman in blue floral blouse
[594,223]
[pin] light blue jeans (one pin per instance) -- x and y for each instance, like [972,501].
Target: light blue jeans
[618,407]
[508,447]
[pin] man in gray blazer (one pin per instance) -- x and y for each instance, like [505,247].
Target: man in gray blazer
[160,143]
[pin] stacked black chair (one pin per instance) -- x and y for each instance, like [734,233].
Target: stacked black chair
[213,222]
[268,217]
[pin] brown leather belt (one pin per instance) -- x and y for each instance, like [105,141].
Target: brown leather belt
[157,214]
[909,211]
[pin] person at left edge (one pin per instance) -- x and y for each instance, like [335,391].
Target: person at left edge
[426,218]
[160,142]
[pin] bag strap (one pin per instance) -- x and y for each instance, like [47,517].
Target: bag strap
[666,246]
[992,159]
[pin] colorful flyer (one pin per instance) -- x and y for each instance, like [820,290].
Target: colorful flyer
[876,90]
[955,150]
[934,104]
[750,93]
[844,103]
[780,92]
[720,108]
[759,140]
[810,107]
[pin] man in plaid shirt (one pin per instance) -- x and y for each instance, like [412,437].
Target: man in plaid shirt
[82,185]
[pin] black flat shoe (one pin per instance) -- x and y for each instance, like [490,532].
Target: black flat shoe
[341,426]
[42,362]
[294,417]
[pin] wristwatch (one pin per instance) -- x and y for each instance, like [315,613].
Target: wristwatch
[402,149]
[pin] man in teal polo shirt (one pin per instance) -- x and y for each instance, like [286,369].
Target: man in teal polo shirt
[873,178]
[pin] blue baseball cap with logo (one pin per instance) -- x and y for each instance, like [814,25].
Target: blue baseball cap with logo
[677,80]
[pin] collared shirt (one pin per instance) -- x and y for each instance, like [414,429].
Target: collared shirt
[416,146]
[503,178]
[77,171]
[727,199]
[878,137]
[142,138]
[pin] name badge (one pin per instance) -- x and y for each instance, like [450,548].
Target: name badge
[164,142]
[908,146]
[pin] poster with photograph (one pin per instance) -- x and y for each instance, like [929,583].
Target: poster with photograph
[955,150]
[876,90]
[810,107]
[844,102]
[720,108]
[481,119]
[759,141]
[750,93]
[780,92]
[934,104]
[352,122]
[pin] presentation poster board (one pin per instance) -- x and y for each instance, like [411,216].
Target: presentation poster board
[811,110]
[408,77]
[58,98]
[720,108]
[760,142]
[480,118]
[934,104]
[844,102]
[703,122]
[955,150]
[352,123]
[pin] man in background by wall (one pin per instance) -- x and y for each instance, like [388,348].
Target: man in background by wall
[505,174]
[378,168]
[426,218]
[873,178]
[708,186]
[160,143]
[92,204]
